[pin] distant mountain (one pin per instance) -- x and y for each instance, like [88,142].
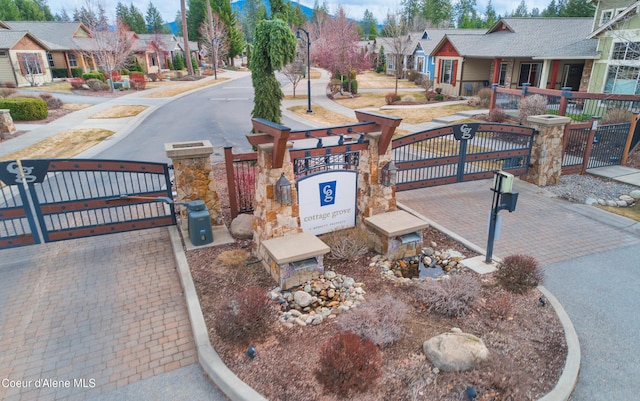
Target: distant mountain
[238,5]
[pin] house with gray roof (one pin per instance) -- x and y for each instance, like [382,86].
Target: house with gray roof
[68,44]
[550,53]
[22,59]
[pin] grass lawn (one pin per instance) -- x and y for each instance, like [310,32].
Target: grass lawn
[120,111]
[373,80]
[376,99]
[632,212]
[64,145]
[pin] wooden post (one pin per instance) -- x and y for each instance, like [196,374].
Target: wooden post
[494,95]
[231,182]
[627,146]
[587,150]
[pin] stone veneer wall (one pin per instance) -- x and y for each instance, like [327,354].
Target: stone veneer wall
[373,198]
[194,177]
[545,165]
[271,218]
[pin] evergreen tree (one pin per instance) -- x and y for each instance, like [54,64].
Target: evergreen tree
[521,10]
[274,47]
[44,7]
[438,12]
[490,15]
[63,16]
[369,25]
[29,10]
[9,11]
[466,15]
[578,8]
[411,9]
[122,13]
[136,23]
[250,16]
[154,19]
[551,10]
[381,65]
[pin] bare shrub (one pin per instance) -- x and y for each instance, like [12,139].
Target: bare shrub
[95,84]
[6,92]
[380,321]
[233,257]
[452,297]
[616,116]
[53,103]
[499,305]
[153,76]
[484,95]
[497,116]
[519,273]
[507,377]
[427,84]
[532,106]
[408,98]
[9,84]
[348,364]
[244,317]
[391,97]
[350,244]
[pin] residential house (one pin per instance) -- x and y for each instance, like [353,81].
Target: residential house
[167,44]
[551,53]
[66,42]
[616,26]
[22,59]
[148,53]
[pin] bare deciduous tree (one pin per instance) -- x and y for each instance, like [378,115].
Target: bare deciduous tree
[215,39]
[399,42]
[30,65]
[113,48]
[294,72]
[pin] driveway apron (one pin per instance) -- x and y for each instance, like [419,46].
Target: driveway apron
[86,317]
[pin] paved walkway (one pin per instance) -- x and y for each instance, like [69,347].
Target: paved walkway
[550,229]
[104,313]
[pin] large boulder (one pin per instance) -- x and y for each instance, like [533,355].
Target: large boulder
[6,123]
[455,351]
[242,226]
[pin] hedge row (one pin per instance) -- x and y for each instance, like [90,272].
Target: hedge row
[25,108]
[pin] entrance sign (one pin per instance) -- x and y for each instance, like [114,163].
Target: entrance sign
[328,201]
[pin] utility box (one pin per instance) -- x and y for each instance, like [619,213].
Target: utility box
[199,223]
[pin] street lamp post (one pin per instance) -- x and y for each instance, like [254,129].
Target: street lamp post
[214,50]
[308,67]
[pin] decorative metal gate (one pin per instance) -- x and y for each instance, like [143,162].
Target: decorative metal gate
[461,152]
[53,200]
[585,147]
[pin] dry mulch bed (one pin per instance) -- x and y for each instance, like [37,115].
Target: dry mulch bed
[526,340]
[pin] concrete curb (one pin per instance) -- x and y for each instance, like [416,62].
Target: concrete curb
[222,376]
[569,377]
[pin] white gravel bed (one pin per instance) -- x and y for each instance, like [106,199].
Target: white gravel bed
[578,188]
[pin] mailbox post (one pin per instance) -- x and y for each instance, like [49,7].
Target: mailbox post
[503,199]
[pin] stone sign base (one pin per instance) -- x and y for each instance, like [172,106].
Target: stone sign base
[397,234]
[294,259]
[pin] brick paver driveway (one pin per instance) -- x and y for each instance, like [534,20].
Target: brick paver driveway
[84,317]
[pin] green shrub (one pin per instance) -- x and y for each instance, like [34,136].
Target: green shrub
[178,62]
[519,273]
[52,102]
[59,73]
[76,72]
[124,71]
[93,75]
[354,86]
[25,109]
[348,364]
[245,317]
[452,297]
[439,97]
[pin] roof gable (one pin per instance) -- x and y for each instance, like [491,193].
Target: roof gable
[617,19]
[56,35]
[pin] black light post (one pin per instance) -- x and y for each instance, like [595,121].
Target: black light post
[308,67]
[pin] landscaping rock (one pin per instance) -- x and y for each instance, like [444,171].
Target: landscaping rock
[6,123]
[302,298]
[635,194]
[455,351]
[242,226]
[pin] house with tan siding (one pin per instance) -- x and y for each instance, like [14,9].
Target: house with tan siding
[22,59]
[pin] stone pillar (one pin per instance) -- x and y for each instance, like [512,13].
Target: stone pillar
[545,165]
[373,198]
[194,177]
[272,219]
[6,123]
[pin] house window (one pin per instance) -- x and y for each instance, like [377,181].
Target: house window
[50,60]
[606,16]
[420,64]
[503,74]
[3,54]
[154,61]
[73,62]
[626,51]
[30,63]
[446,71]
[623,80]
[530,73]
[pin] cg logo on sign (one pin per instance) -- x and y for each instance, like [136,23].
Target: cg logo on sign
[327,193]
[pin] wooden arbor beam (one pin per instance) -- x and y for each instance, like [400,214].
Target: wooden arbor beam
[387,126]
[270,132]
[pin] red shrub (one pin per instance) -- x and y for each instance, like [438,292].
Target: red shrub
[391,97]
[76,83]
[348,364]
[138,81]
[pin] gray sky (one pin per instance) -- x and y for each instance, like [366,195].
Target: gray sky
[354,8]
